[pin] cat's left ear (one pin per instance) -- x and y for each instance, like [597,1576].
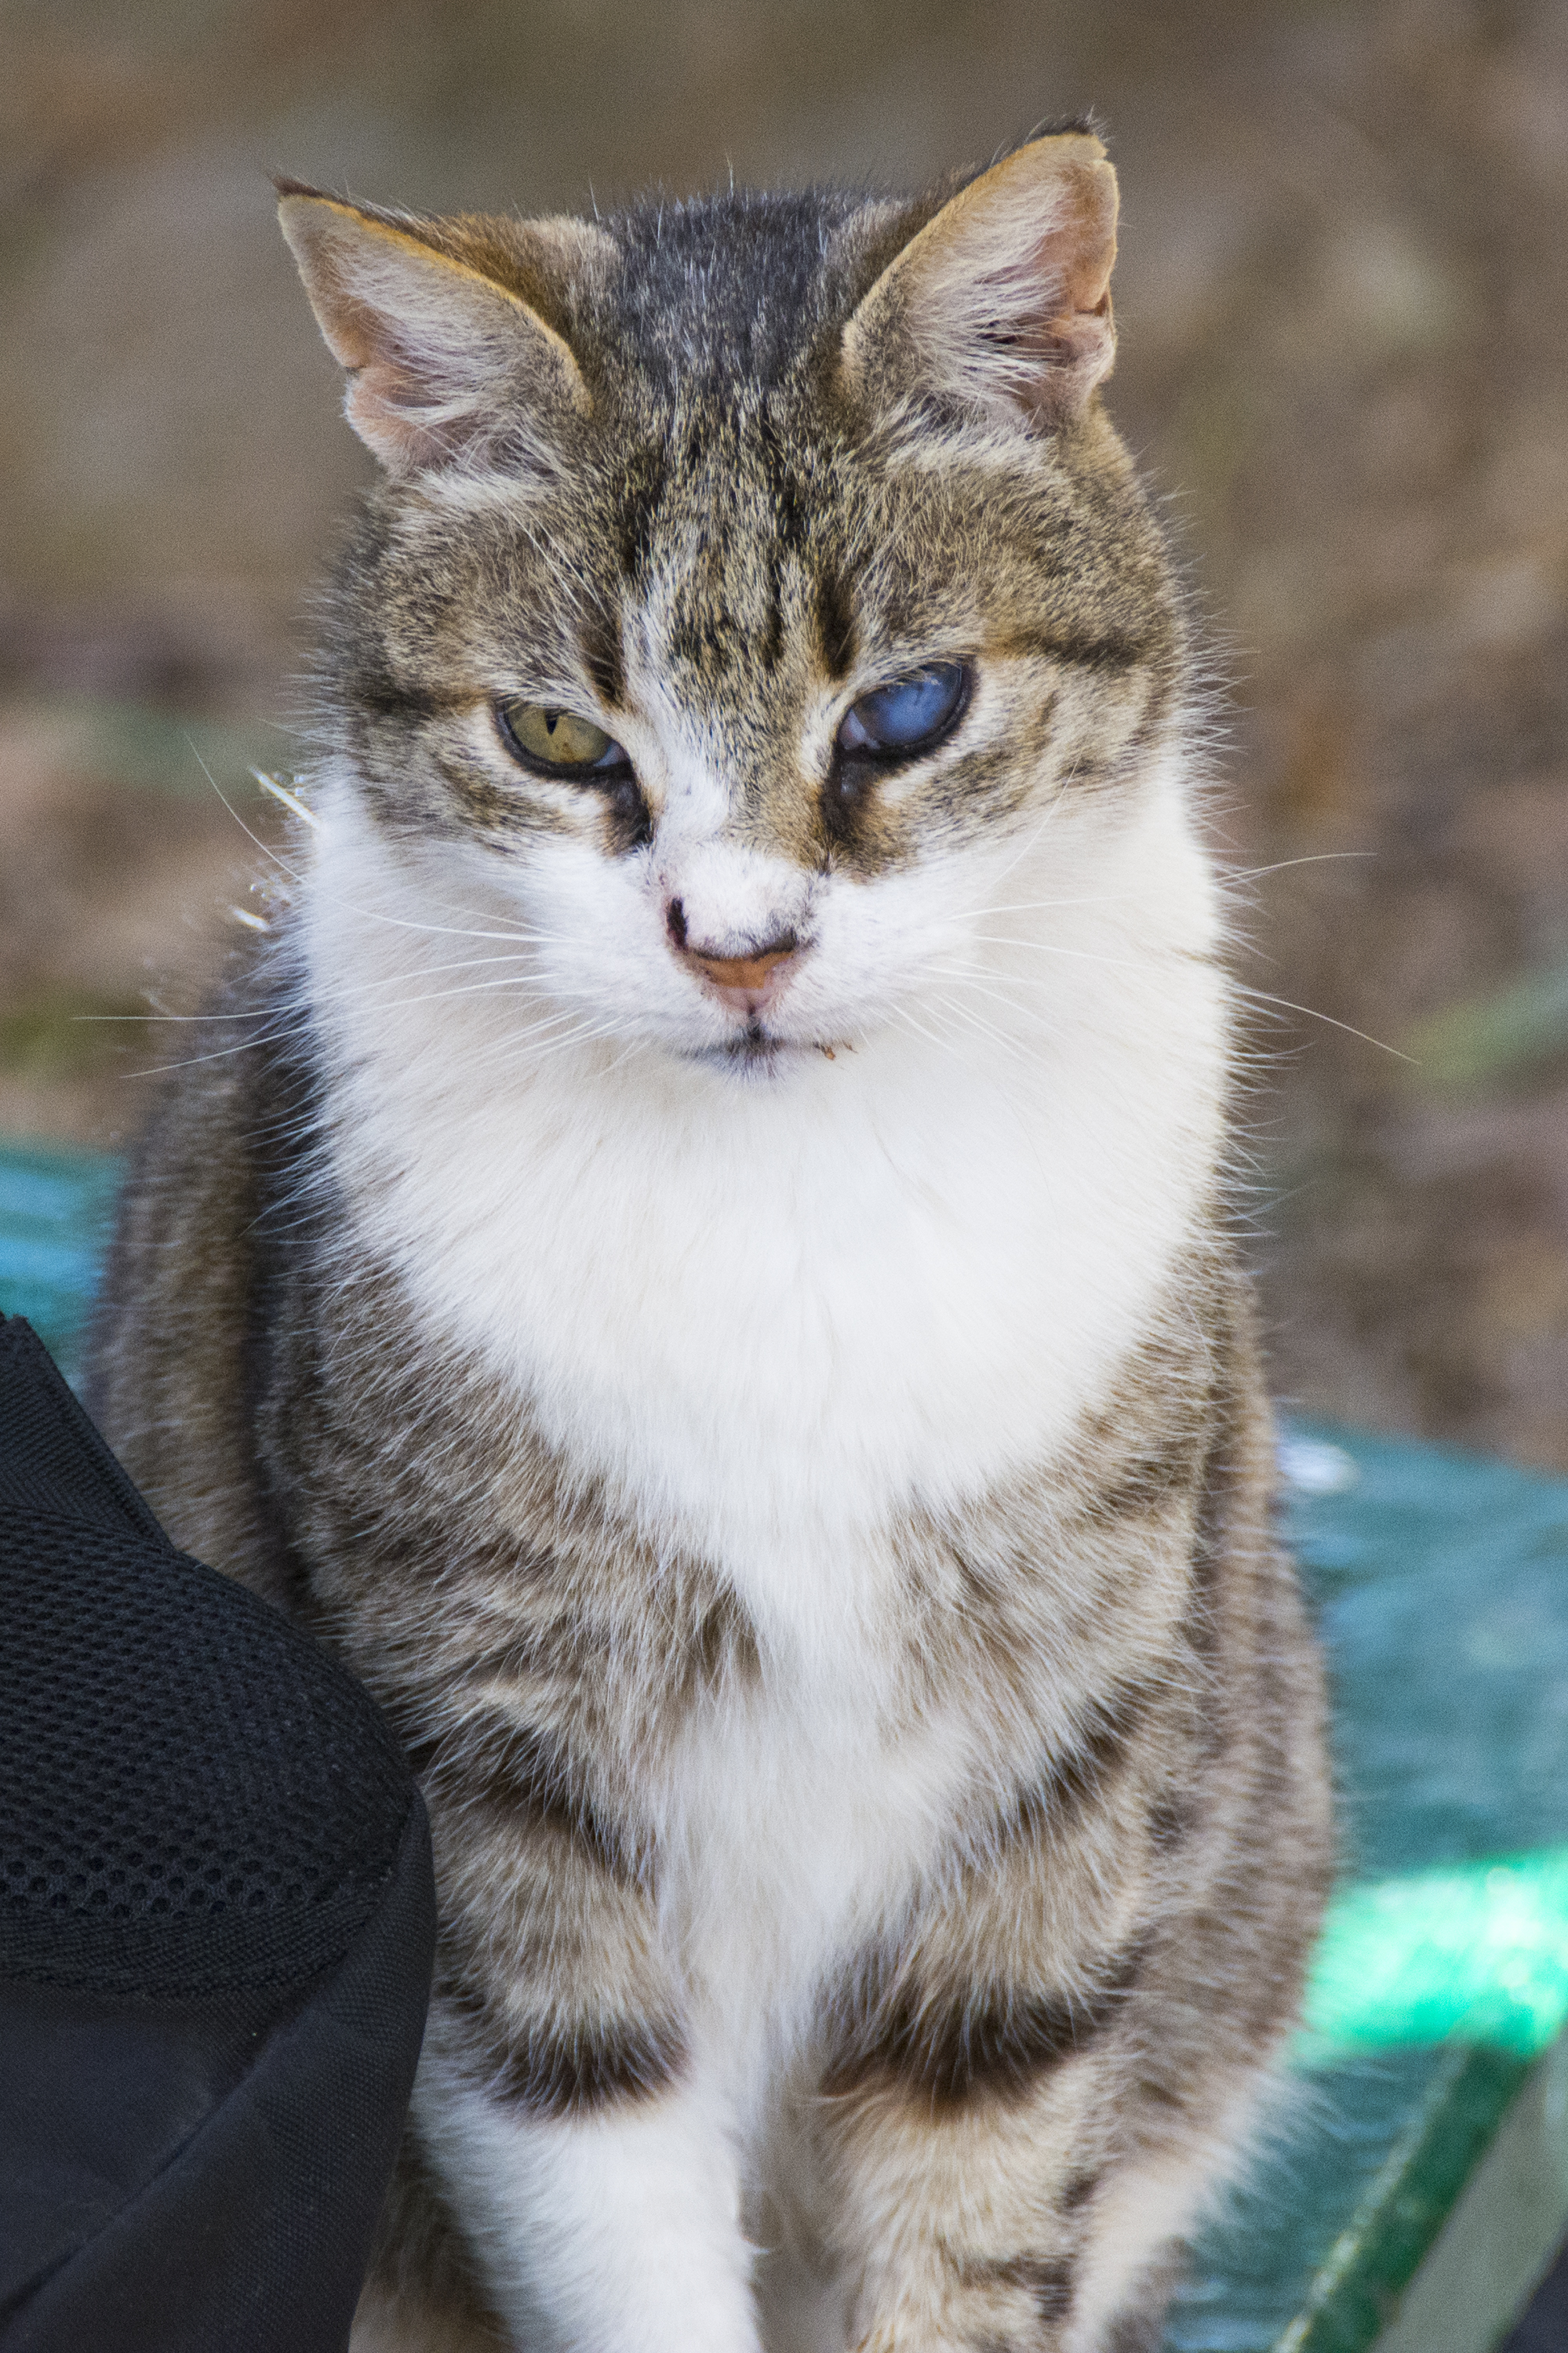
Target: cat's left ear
[1003,300]
[441,324]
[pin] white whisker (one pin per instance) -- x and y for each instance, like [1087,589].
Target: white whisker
[1262,997]
[290,801]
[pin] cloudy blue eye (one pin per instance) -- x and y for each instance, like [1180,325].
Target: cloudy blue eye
[908,713]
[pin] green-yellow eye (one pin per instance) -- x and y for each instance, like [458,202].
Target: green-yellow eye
[545,738]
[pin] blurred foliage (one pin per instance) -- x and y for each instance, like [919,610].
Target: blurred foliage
[66,1035]
[163,751]
[1486,1037]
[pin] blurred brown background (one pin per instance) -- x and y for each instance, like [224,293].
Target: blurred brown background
[1344,337]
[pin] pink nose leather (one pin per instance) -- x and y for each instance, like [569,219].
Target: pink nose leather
[745,973]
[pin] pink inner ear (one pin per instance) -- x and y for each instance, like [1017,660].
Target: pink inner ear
[406,401]
[1074,261]
[1061,337]
[351,331]
[1052,349]
[384,384]
[387,405]
[1017,287]
[1068,333]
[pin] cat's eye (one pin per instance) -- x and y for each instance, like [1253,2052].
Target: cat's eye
[908,714]
[541,736]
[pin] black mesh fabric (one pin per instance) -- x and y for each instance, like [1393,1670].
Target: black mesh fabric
[216,1917]
[196,1795]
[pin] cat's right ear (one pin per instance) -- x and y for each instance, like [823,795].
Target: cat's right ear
[444,359]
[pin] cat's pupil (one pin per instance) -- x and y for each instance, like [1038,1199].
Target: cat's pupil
[907,713]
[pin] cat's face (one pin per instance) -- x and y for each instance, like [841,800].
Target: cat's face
[737,657]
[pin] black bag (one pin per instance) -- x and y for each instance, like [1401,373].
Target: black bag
[216,1924]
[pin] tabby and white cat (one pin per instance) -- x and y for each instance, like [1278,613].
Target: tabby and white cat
[695,1258]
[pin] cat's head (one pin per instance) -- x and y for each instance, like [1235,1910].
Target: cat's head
[751,582]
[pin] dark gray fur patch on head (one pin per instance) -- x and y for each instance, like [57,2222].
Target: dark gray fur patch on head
[729,290]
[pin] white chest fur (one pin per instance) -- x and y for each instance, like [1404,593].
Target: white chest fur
[775,1314]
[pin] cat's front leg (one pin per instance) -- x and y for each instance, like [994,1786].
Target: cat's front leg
[1036,2220]
[981,2073]
[1014,2155]
[570,2128]
[612,2229]
[958,2223]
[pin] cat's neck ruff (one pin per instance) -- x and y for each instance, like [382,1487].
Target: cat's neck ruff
[775,1314]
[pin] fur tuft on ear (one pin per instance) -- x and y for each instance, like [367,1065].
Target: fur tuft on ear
[1003,300]
[446,357]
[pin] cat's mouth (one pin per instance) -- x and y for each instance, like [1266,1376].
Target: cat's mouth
[757,1052]
[755,1048]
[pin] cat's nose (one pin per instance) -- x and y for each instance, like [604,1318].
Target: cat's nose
[741,980]
[746,972]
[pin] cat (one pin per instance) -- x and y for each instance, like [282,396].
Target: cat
[696,1255]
